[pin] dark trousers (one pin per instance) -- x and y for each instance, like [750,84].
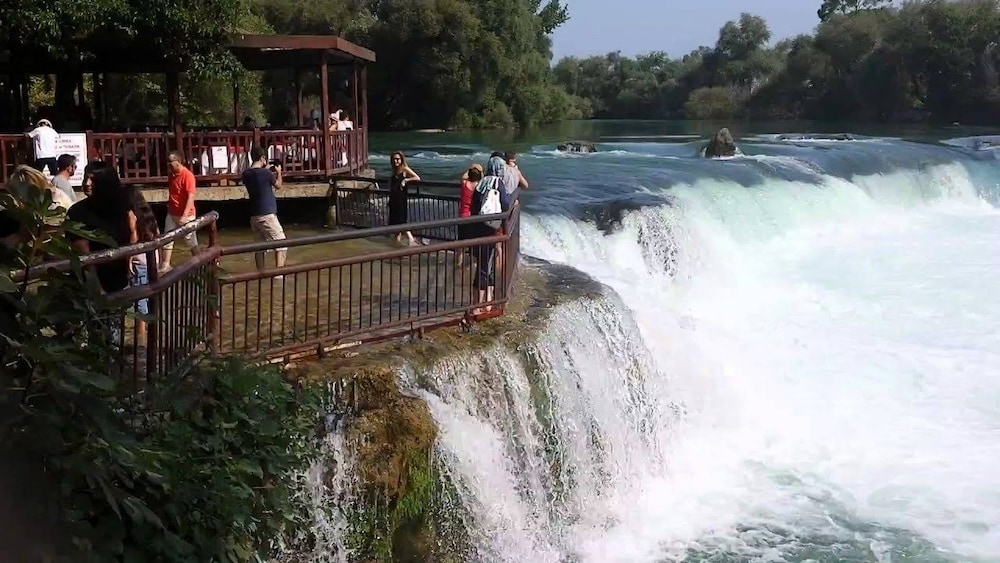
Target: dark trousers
[50,163]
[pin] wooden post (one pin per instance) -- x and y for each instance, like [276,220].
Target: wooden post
[24,109]
[299,118]
[364,95]
[325,153]
[80,93]
[354,87]
[173,108]
[236,103]
[363,118]
[98,98]
[172,98]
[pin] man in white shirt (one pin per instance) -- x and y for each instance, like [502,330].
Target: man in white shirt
[44,137]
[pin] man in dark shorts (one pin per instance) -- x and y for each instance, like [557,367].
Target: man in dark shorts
[260,181]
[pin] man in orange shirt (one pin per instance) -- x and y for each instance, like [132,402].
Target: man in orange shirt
[180,206]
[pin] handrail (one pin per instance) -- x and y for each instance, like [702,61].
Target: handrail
[364,257]
[122,252]
[362,233]
[386,180]
[175,275]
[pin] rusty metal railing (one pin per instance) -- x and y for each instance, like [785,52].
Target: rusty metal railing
[316,307]
[181,312]
[364,204]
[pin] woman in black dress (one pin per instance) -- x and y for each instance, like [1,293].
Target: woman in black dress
[401,174]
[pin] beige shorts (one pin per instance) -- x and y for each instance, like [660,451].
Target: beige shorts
[267,227]
[171,223]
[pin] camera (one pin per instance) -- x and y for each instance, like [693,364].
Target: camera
[273,164]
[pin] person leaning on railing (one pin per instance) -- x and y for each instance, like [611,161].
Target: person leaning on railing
[486,255]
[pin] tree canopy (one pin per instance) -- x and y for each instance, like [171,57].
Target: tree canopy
[441,62]
[867,60]
[487,63]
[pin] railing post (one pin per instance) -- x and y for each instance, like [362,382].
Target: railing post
[153,327]
[214,304]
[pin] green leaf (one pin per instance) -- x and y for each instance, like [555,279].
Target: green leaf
[7,285]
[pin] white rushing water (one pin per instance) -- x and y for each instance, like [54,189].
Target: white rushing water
[819,379]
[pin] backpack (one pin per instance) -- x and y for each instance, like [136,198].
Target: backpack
[489,199]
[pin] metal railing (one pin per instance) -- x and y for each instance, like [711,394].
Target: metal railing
[314,307]
[319,306]
[367,206]
[181,312]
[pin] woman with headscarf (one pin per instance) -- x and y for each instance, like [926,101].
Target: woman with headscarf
[486,255]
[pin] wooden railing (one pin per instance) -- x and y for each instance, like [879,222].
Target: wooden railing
[305,308]
[214,156]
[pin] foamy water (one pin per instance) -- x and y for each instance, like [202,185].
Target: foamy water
[839,359]
[783,371]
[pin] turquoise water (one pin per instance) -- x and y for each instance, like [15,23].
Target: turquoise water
[812,328]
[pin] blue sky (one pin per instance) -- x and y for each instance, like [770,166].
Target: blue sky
[596,27]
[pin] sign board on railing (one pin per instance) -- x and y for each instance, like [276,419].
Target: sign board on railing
[76,145]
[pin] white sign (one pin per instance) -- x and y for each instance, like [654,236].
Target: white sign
[220,158]
[76,145]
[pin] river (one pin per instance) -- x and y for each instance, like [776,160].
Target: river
[820,317]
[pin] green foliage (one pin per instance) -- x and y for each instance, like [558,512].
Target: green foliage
[176,30]
[710,103]
[868,60]
[192,468]
[831,7]
[385,527]
[441,63]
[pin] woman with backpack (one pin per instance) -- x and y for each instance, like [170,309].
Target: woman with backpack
[489,198]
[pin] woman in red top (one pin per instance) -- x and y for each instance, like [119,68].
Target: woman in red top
[470,179]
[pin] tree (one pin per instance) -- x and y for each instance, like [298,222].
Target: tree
[935,59]
[831,7]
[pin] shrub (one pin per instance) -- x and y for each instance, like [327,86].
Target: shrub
[711,103]
[191,468]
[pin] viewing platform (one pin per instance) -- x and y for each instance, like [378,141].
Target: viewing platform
[339,289]
[310,153]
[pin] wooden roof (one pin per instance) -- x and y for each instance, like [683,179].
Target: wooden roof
[270,51]
[255,52]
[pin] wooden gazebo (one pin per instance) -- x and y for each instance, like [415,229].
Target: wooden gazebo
[307,152]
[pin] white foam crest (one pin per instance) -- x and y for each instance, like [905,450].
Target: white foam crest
[820,385]
[550,455]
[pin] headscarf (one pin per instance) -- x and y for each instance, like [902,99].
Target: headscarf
[495,167]
[493,177]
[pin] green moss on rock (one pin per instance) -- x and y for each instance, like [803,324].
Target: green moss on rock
[404,498]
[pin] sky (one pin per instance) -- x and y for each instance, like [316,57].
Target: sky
[596,27]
